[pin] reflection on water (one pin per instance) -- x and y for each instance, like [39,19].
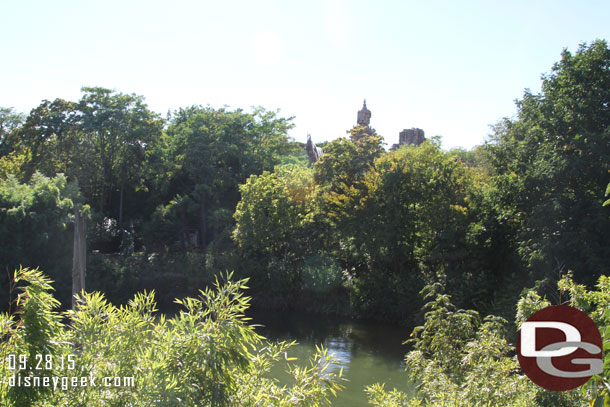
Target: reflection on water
[368,352]
[341,349]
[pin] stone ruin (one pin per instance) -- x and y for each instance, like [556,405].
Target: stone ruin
[412,136]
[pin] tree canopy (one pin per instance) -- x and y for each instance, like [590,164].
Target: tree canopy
[551,164]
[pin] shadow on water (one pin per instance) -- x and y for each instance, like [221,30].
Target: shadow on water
[368,352]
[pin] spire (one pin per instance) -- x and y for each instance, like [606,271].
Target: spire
[314,152]
[364,120]
[364,116]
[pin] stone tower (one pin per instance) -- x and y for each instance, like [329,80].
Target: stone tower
[364,116]
[411,136]
[364,120]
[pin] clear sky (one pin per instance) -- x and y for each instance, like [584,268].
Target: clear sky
[451,68]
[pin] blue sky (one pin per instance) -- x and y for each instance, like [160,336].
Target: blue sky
[450,68]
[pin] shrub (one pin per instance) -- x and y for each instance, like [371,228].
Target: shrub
[460,360]
[207,355]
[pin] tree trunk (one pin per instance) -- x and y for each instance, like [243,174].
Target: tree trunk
[202,224]
[121,209]
[102,193]
[79,257]
[185,230]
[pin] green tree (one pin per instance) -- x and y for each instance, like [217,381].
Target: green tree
[410,226]
[345,163]
[278,221]
[10,121]
[101,141]
[210,153]
[50,135]
[34,228]
[14,163]
[341,173]
[119,128]
[552,161]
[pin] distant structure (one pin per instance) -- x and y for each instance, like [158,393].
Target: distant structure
[410,136]
[364,116]
[313,152]
[364,120]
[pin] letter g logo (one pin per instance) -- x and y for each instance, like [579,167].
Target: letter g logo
[555,344]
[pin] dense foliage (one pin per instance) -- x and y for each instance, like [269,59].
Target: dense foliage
[34,229]
[460,359]
[207,355]
[159,190]
[552,163]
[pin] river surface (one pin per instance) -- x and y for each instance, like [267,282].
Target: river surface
[368,352]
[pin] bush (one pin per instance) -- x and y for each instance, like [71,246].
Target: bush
[460,360]
[207,355]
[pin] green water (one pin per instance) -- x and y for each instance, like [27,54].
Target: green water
[368,352]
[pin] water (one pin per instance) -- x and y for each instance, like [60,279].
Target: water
[368,352]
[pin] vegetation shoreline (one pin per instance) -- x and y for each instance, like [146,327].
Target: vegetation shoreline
[456,242]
